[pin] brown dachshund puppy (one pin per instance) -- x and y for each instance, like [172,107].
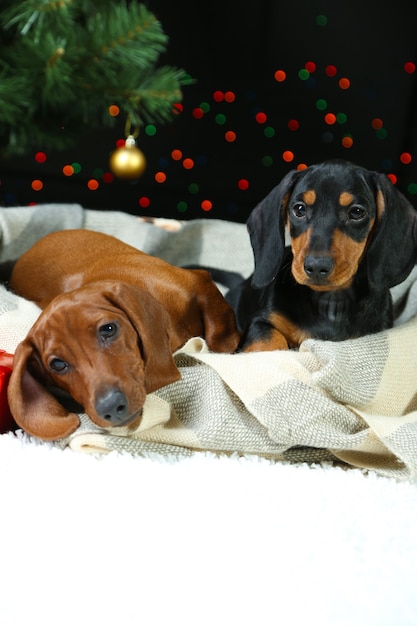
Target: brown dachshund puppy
[112,317]
[353,236]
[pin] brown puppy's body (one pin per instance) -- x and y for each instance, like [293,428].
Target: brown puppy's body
[112,318]
[64,261]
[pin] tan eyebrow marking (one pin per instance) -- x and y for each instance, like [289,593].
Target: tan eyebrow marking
[309,197]
[345,198]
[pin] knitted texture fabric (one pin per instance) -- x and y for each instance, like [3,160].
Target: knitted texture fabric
[351,402]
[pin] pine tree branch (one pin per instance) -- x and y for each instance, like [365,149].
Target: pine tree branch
[68,60]
[36,17]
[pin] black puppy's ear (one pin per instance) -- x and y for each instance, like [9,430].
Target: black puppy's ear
[393,251]
[266,229]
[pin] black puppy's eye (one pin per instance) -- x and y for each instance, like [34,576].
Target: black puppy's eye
[356,213]
[107,331]
[299,210]
[58,365]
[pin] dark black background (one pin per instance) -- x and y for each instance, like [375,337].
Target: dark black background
[236,47]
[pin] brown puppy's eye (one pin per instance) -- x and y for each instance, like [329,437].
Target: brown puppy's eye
[299,210]
[107,331]
[58,365]
[356,213]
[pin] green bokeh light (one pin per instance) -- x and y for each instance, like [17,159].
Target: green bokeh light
[381,133]
[182,206]
[269,132]
[303,74]
[267,161]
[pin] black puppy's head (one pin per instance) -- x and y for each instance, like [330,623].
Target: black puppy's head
[330,215]
[337,215]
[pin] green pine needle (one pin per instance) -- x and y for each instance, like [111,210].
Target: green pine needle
[63,62]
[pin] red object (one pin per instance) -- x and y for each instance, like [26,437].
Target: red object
[7,422]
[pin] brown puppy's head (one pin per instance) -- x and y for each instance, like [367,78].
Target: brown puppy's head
[106,344]
[337,215]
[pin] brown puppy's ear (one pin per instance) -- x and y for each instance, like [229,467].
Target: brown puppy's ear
[152,325]
[33,408]
[393,250]
[266,226]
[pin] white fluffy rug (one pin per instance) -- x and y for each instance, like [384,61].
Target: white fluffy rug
[202,541]
[119,540]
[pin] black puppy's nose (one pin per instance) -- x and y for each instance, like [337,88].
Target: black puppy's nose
[112,406]
[318,268]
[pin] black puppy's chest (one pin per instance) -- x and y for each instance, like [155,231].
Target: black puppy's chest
[331,315]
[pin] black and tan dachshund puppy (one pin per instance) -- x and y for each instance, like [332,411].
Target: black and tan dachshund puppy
[353,236]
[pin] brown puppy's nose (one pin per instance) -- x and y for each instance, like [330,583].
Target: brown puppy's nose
[111,405]
[318,268]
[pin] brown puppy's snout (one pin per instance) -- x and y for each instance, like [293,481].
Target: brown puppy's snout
[112,406]
[318,268]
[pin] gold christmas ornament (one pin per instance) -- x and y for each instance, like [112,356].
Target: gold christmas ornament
[128,162]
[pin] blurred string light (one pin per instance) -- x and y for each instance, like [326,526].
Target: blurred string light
[37,185]
[243,184]
[217,108]
[144,202]
[321,20]
[331,118]
[288,156]
[347,141]
[40,157]
[114,110]
[160,177]
[331,71]
[198,113]
[267,160]
[68,170]
[261,117]
[280,76]
[182,206]
[406,158]
[176,155]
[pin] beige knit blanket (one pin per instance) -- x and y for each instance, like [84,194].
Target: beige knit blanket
[353,402]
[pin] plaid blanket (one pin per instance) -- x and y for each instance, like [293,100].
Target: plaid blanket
[353,402]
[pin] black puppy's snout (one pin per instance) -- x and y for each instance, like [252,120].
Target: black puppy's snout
[112,406]
[318,268]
